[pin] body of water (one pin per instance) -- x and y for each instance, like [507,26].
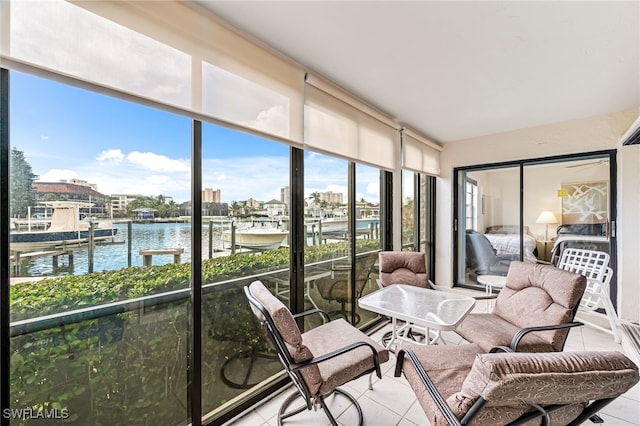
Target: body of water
[150,236]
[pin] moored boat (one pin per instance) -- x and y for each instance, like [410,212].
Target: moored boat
[256,238]
[65,228]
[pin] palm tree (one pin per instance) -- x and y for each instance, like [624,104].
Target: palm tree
[314,197]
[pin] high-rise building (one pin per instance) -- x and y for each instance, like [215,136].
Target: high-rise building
[285,195]
[331,197]
[209,195]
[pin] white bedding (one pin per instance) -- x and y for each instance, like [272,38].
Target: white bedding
[510,244]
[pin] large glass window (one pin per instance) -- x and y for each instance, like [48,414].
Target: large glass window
[342,216]
[425,213]
[418,205]
[245,238]
[408,209]
[327,272]
[111,254]
[471,204]
[368,237]
[101,247]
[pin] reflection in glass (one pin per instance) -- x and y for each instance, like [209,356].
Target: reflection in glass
[332,281]
[489,238]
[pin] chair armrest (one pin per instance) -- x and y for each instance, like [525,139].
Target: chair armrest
[500,348]
[341,351]
[433,392]
[520,334]
[325,317]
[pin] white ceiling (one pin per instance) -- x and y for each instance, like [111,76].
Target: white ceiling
[455,70]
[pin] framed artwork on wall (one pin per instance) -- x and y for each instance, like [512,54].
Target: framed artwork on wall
[585,202]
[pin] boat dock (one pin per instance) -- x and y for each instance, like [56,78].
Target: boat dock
[56,252]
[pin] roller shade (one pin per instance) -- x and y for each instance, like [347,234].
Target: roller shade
[420,155]
[169,52]
[338,128]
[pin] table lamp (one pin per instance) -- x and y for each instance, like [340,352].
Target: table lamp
[546,218]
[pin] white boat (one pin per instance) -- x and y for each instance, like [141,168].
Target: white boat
[65,228]
[339,225]
[257,238]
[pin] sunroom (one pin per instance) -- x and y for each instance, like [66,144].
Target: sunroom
[287,142]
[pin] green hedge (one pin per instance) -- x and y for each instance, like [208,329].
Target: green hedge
[131,368]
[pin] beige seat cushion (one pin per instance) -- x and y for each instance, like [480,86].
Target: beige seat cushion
[489,330]
[510,381]
[339,370]
[403,267]
[447,366]
[533,295]
[324,377]
[506,380]
[288,328]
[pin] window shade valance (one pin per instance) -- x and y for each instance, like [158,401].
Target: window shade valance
[334,126]
[168,52]
[420,155]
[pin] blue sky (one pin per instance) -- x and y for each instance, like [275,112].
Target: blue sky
[124,147]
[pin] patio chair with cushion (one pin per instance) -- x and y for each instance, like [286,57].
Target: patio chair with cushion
[406,267]
[459,385]
[319,360]
[532,313]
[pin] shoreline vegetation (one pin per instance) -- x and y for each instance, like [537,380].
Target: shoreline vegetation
[132,367]
[52,295]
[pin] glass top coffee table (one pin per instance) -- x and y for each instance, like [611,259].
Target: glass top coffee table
[431,309]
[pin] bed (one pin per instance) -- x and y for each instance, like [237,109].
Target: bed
[506,240]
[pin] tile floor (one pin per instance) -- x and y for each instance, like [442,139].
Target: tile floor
[392,402]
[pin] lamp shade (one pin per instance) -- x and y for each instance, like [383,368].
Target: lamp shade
[546,217]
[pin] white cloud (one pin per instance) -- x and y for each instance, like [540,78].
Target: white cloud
[157,179]
[115,171]
[373,188]
[56,175]
[111,155]
[157,162]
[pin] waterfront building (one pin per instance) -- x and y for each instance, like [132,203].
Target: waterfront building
[119,202]
[72,191]
[275,208]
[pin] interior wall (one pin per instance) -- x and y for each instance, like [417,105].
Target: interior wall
[570,137]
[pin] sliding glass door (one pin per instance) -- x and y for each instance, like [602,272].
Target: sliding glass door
[530,211]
